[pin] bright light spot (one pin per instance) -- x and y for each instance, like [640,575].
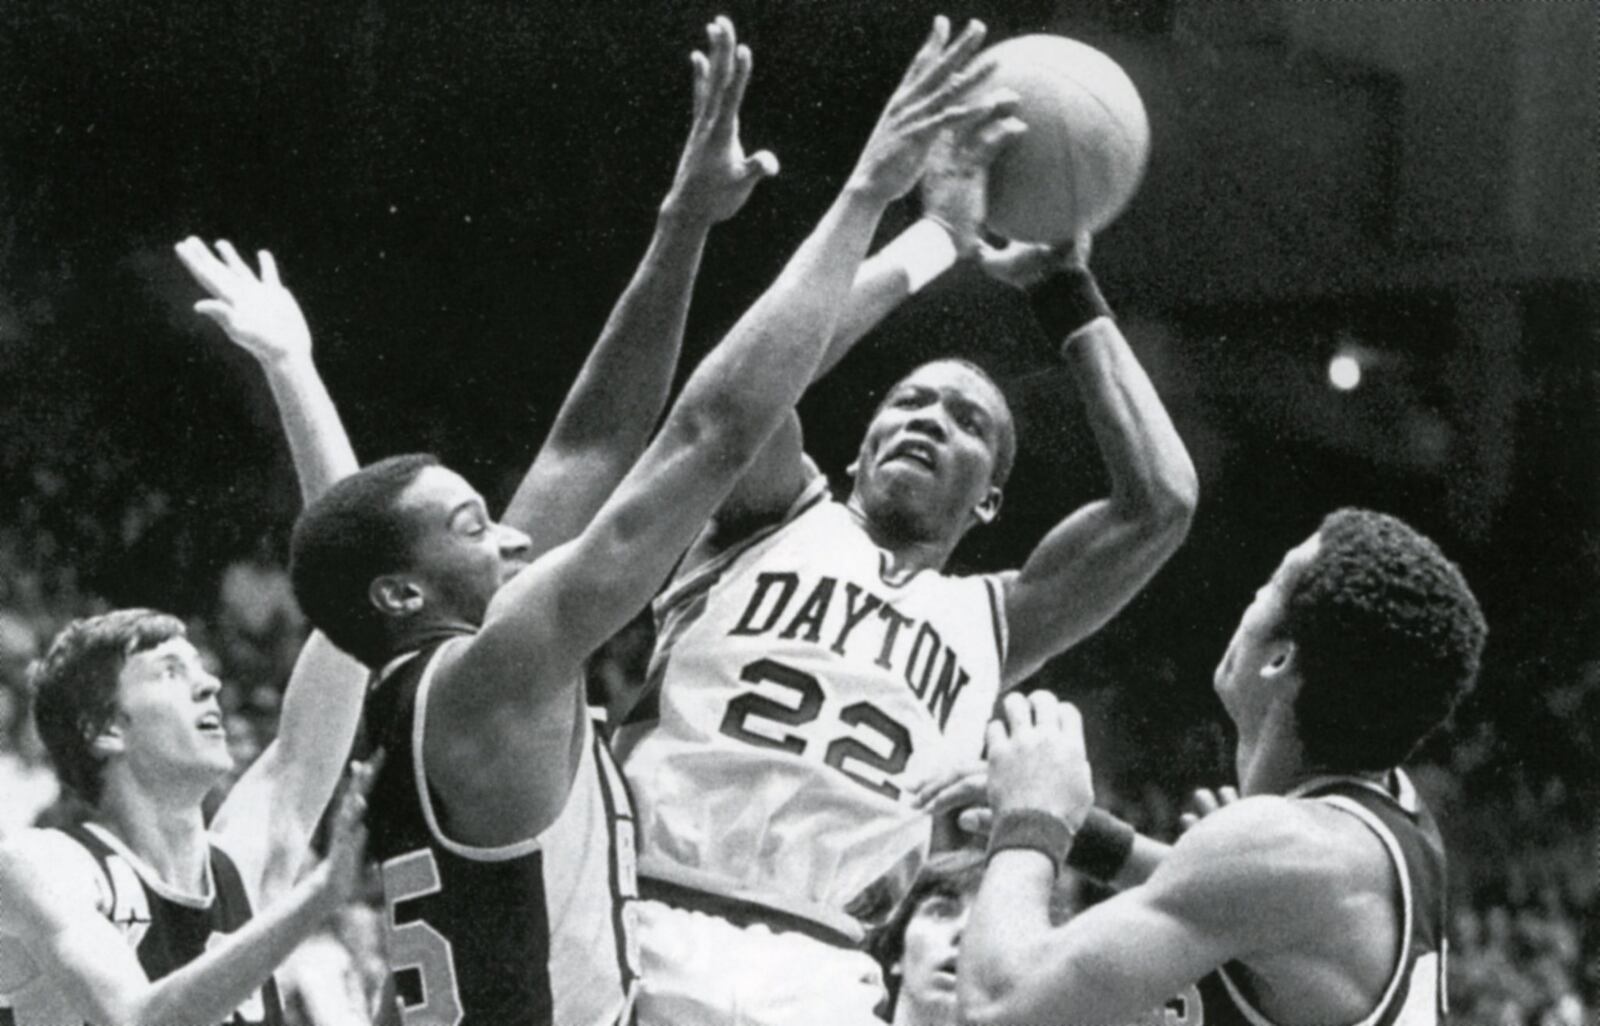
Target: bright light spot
[1344,372]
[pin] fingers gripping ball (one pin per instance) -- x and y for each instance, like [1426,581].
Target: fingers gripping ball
[1086,146]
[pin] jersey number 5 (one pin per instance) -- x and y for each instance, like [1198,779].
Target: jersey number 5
[418,946]
[807,707]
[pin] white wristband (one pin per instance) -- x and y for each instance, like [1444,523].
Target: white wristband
[924,251]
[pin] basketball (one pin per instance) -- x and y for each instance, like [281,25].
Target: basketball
[1086,145]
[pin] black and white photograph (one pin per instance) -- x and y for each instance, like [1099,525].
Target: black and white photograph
[800,513]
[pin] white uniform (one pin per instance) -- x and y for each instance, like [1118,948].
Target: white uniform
[801,693]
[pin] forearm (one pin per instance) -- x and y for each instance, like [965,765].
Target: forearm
[1151,474]
[316,730]
[211,987]
[620,392]
[1009,920]
[886,279]
[318,443]
[759,371]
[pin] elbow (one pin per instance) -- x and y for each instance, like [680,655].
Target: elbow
[984,1000]
[1164,509]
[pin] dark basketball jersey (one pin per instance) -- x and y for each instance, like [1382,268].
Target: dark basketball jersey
[1415,993]
[167,930]
[527,934]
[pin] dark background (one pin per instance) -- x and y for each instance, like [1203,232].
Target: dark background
[458,192]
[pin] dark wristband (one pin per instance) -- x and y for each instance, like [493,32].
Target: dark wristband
[1102,846]
[1033,830]
[1067,301]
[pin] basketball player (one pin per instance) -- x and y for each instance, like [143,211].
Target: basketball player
[504,830]
[143,915]
[918,946]
[815,663]
[1317,897]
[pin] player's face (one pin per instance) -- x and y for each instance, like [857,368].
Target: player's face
[168,718]
[1257,647]
[928,961]
[459,556]
[928,459]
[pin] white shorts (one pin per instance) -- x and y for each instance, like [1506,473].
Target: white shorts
[702,970]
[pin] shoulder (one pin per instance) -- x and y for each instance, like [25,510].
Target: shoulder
[1264,866]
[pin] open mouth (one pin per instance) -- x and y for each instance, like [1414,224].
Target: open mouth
[211,723]
[915,452]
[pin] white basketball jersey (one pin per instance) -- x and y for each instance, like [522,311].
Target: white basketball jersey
[801,695]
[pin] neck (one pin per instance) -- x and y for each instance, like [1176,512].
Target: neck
[1269,758]
[170,836]
[908,551]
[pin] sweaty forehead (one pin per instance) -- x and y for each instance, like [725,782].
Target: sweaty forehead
[437,490]
[952,376]
[149,660]
[1295,562]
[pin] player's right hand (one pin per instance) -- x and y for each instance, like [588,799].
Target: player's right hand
[1203,802]
[935,93]
[1037,758]
[258,313]
[714,177]
[1026,264]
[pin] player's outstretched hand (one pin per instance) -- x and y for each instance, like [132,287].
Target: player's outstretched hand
[338,877]
[937,92]
[1025,264]
[1203,802]
[955,185]
[258,313]
[714,177]
[1037,758]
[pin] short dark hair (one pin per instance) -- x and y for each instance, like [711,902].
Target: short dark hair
[75,687]
[952,874]
[1005,456]
[1388,638]
[350,535]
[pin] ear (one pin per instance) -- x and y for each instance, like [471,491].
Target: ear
[395,596]
[989,508]
[1283,660]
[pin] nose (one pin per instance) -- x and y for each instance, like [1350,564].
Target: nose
[209,685]
[513,543]
[929,423]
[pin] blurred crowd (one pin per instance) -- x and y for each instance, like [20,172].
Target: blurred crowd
[1524,848]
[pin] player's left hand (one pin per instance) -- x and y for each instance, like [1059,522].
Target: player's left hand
[714,177]
[961,792]
[1025,264]
[1037,758]
[258,313]
[955,185]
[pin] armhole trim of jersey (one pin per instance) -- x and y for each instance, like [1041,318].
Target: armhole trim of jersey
[997,618]
[705,574]
[419,720]
[1402,967]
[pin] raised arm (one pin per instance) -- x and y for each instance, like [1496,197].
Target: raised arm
[268,818]
[952,189]
[617,399]
[94,971]
[1092,563]
[522,668]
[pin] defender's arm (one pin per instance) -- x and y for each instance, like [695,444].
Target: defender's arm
[617,399]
